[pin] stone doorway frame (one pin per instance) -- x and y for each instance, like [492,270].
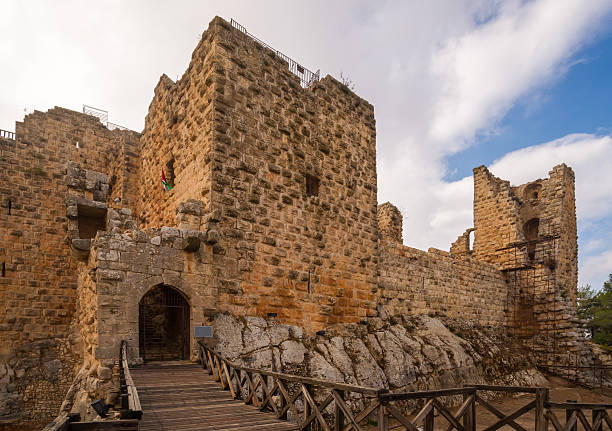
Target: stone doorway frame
[174,305]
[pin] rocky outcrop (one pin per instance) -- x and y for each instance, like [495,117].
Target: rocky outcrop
[408,354]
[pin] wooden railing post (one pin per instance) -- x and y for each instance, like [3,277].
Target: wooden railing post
[541,423]
[429,421]
[469,418]
[383,419]
[568,415]
[596,414]
[306,407]
[339,414]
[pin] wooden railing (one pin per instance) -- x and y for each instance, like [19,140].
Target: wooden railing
[7,134]
[355,407]
[464,418]
[292,397]
[576,413]
[130,403]
[130,413]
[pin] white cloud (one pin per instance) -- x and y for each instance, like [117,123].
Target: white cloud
[589,156]
[484,71]
[596,269]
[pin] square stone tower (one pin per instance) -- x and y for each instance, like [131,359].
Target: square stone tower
[530,232]
[290,171]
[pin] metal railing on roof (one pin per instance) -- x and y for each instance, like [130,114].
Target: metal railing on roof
[6,134]
[307,77]
[102,115]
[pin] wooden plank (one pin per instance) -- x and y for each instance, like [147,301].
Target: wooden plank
[509,389]
[447,415]
[185,398]
[316,410]
[401,418]
[554,420]
[510,418]
[583,406]
[229,380]
[364,413]
[289,401]
[123,425]
[423,413]
[397,396]
[498,413]
[584,421]
[383,419]
[571,421]
[346,413]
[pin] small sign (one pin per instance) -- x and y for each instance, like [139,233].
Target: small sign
[203,331]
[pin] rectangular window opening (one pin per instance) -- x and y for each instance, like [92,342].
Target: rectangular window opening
[170,172]
[10,205]
[312,185]
[91,220]
[3,269]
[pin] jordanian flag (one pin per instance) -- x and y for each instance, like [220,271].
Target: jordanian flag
[167,186]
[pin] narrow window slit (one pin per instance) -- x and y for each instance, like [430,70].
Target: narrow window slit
[170,172]
[10,205]
[3,269]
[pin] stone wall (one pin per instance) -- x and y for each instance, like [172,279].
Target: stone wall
[39,281]
[530,232]
[415,282]
[246,138]
[130,262]
[177,138]
[502,214]
[390,221]
[295,178]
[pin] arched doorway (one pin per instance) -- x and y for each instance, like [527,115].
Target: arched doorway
[163,325]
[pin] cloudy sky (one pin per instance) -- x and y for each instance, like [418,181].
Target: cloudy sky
[516,85]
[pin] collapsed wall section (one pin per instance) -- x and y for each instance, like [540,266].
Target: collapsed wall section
[529,231]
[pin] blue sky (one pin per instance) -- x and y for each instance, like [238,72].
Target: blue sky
[517,85]
[579,101]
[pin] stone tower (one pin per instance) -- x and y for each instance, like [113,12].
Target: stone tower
[291,172]
[529,231]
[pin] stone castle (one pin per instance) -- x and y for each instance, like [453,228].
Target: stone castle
[272,213]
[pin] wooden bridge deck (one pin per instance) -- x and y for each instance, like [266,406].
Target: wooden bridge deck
[183,397]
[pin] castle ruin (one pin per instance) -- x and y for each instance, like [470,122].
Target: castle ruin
[272,213]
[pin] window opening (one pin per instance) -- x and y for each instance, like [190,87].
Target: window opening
[532,191]
[170,173]
[3,269]
[531,235]
[312,185]
[471,240]
[10,206]
[91,220]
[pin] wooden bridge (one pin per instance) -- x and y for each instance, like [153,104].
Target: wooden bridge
[220,395]
[181,397]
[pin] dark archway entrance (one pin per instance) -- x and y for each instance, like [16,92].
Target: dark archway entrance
[163,325]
